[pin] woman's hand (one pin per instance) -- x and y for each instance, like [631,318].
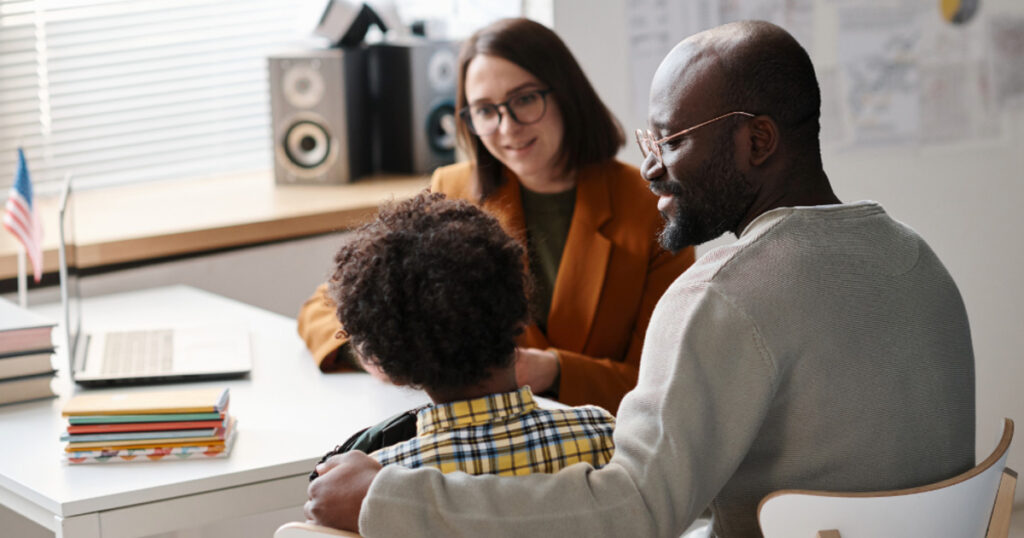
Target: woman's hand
[536,368]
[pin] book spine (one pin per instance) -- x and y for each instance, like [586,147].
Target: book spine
[125,419]
[144,426]
[139,436]
[140,455]
[129,455]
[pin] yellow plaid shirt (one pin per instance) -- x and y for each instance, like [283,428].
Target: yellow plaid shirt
[504,434]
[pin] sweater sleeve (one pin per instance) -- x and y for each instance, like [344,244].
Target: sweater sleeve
[604,381]
[703,391]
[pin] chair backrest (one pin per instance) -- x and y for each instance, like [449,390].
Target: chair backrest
[296,529]
[959,507]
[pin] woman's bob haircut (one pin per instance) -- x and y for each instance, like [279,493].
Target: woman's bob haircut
[592,134]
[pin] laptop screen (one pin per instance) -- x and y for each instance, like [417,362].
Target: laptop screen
[208,352]
[70,295]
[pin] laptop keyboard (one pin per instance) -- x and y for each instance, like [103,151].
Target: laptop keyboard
[138,352]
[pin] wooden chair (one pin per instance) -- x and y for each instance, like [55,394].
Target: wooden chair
[700,529]
[974,504]
[308,530]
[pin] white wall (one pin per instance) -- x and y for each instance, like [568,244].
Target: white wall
[963,199]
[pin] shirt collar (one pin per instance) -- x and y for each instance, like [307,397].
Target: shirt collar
[769,218]
[463,413]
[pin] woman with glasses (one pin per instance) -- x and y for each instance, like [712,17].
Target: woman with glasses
[541,148]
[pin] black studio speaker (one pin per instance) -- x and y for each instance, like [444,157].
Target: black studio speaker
[320,105]
[413,88]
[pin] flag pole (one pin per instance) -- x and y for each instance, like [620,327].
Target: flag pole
[22,282]
[22,277]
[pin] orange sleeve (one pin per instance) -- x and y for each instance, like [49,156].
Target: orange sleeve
[604,381]
[318,323]
[436,181]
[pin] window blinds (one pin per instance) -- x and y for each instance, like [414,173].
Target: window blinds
[117,91]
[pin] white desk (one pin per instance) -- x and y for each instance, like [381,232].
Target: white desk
[289,414]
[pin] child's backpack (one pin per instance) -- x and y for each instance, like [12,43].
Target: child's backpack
[394,430]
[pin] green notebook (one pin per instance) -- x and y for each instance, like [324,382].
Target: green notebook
[116,419]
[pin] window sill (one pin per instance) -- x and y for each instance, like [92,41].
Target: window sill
[135,223]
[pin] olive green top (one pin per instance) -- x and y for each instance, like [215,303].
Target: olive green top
[547,218]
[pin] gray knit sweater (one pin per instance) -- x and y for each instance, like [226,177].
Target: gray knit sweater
[827,348]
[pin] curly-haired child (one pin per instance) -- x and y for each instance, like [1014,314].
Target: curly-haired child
[432,294]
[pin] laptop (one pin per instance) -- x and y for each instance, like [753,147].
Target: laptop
[141,354]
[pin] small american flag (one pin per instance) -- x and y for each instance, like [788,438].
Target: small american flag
[21,219]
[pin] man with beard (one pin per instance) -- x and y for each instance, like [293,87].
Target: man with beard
[827,348]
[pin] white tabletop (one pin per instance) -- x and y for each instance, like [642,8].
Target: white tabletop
[288,413]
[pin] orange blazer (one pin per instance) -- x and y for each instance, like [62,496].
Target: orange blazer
[611,275]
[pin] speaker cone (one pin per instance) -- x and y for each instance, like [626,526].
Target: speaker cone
[441,128]
[307,144]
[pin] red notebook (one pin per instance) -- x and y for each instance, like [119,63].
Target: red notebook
[144,426]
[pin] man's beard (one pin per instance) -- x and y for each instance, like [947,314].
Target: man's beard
[708,203]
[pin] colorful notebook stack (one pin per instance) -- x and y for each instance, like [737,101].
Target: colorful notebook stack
[148,426]
[26,353]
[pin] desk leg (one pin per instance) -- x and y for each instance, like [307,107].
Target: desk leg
[83,526]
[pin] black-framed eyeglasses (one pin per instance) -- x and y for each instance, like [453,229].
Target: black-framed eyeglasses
[524,108]
[649,144]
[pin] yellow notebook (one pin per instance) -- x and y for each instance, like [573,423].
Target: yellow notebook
[211,400]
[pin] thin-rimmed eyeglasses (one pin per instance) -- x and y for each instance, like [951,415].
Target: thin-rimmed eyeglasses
[649,144]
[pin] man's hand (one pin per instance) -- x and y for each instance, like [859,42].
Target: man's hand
[336,496]
[536,368]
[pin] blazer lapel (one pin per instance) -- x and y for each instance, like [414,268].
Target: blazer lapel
[584,263]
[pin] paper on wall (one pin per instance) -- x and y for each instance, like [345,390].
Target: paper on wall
[654,27]
[957,101]
[796,16]
[877,45]
[1006,36]
[834,129]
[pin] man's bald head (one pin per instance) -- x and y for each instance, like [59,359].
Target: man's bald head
[716,171]
[753,66]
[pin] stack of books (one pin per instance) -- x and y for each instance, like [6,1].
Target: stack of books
[152,425]
[26,354]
